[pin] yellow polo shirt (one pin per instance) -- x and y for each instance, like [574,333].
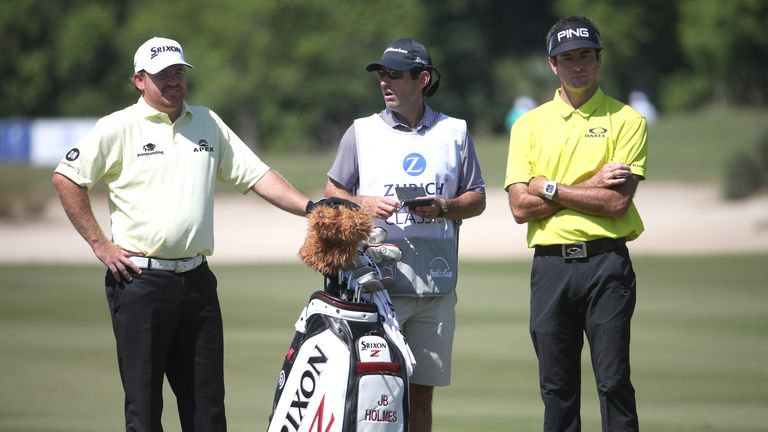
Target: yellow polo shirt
[570,145]
[161,176]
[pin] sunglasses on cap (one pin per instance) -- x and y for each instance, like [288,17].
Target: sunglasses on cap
[392,74]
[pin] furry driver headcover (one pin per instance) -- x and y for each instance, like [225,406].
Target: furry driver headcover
[336,227]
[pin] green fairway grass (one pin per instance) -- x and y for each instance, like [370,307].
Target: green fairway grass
[700,347]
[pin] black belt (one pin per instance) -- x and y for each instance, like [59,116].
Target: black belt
[582,249]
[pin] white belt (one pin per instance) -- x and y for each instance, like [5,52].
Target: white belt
[178,266]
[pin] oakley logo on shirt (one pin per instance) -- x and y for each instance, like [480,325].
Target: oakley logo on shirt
[596,132]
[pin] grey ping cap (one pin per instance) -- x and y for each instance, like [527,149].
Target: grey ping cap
[573,35]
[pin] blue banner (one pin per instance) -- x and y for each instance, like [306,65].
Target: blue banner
[14,141]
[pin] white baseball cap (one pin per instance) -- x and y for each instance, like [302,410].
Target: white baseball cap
[157,54]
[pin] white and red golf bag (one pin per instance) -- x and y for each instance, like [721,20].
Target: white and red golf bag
[347,367]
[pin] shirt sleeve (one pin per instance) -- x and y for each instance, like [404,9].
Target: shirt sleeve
[238,164]
[471,176]
[345,170]
[632,145]
[519,164]
[95,156]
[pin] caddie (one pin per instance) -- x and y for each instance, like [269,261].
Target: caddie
[409,144]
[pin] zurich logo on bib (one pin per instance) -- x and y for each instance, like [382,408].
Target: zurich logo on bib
[414,164]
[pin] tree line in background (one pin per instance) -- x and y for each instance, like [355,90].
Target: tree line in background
[290,74]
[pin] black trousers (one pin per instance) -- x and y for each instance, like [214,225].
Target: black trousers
[569,298]
[169,324]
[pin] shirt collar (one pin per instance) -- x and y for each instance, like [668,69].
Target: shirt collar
[585,110]
[148,112]
[425,122]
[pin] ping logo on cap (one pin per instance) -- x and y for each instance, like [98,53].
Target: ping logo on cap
[571,33]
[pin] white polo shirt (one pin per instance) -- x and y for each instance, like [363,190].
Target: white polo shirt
[161,176]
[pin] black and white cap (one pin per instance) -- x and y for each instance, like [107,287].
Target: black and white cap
[573,35]
[403,55]
[407,54]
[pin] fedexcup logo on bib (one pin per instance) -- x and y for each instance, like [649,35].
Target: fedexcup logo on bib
[414,164]
[440,269]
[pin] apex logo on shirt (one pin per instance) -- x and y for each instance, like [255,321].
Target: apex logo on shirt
[149,149]
[414,164]
[202,146]
[596,132]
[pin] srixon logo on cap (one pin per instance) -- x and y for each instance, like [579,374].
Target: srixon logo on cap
[581,32]
[161,49]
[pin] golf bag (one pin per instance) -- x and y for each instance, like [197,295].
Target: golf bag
[347,366]
[342,372]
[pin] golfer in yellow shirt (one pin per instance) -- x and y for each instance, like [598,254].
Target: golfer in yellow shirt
[573,168]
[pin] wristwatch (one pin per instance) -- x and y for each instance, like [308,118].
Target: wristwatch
[550,189]
[443,205]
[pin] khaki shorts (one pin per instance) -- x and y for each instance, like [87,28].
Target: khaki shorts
[428,324]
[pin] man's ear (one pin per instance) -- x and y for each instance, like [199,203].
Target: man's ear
[553,64]
[425,79]
[138,81]
[432,83]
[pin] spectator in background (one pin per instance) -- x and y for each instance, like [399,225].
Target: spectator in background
[522,105]
[642,104]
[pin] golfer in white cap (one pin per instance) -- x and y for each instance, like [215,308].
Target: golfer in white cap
[160,160]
